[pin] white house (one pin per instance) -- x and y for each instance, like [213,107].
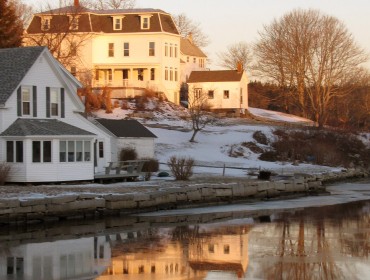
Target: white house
[127,50]
[192,58]
[225,91]
[43,135]
[130,134]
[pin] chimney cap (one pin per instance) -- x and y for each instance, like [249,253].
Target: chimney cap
[76,3]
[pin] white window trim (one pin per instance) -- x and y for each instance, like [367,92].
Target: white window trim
[57,91]
[43,21]
[120,18]
[29,88]
[142,17]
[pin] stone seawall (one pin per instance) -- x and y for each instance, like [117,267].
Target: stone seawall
[85,206]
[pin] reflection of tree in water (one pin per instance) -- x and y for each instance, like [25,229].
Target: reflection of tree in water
[307,251]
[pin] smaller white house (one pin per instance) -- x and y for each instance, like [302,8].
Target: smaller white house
[130,134]
[44,136]
[226,91]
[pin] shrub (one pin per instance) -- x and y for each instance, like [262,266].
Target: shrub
[4,172]
[260,137]
[151,165]
[128,154]
[181,168]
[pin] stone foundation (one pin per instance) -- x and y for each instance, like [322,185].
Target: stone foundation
[86,206]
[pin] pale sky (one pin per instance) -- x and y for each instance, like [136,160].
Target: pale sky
[230,21]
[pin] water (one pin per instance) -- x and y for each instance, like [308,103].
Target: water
[259,242]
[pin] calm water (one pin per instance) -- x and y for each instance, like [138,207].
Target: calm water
[330,242]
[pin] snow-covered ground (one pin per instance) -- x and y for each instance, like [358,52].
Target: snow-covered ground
[216,142]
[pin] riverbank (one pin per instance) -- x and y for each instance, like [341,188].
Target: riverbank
[54,203]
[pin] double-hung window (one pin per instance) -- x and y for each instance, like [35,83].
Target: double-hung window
[26,101]
[111,49]
[151,48]
[74,151]
[14,151]
[126,49]
[41,151]
[54,102]
[226,94]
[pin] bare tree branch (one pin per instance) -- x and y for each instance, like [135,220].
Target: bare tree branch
[187,27]
[235,54]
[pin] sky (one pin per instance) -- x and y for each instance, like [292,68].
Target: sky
[228,22]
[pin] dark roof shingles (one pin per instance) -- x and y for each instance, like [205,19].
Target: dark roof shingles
[215,76]
[43,127]
[187,48]
[14,64]
[126,128]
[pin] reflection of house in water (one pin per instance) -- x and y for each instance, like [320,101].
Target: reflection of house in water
[224,249]
[137,255]
[63,259]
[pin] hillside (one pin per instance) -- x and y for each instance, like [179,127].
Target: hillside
[229,141]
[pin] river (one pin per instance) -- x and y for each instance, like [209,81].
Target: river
[321,237]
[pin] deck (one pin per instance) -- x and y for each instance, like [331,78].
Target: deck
[121,170]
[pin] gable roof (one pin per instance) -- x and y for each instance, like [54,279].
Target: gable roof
[188,48]
[215,76]
[126,128]
[102,20]
[43,127]
[15,63]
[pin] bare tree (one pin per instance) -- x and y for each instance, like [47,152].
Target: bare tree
[235,54]
[110,4]
[199,111]
[312,55]
[187,27]
[61,35]
[23,11]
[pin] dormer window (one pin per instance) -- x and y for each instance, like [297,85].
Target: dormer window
[73,22]
[117,22]
[145,21]
[45,23]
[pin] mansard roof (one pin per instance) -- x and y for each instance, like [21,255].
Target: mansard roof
[188,48]
[15,63]
[215,76]
[43,127]
[102,20]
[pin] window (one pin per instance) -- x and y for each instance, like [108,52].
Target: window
[117,23]
[15,266]
[54,102]
[74,151]
[74,70]
[151,48]
[152,269]
[170,50]
[211,248]
[101,149]
[152,74]
[41,151]
[165,49]
[26,101]
[110,73]
[126,49]
[197,93]
[97,74]
[211,94]
[145,24]
[141,269]
[73,49]
[176,75]
[140,74]
[166,74]
[241,95]
[14,151]
[226,249]
[194,60]
[226,94]
[171,74]
[73,22]
[187,59]
[111,49]
[45,23]
[175,51]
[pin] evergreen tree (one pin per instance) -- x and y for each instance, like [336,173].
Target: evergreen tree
[11,27]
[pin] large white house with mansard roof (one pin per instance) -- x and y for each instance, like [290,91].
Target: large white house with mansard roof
[127,50]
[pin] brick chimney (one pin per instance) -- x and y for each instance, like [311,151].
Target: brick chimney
[239,67]
[76,3]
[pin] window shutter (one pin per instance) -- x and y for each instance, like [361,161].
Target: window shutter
[34,100]
[47,102]
[19,101]
[62,103]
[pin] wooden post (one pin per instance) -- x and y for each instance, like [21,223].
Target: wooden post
[223,171]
